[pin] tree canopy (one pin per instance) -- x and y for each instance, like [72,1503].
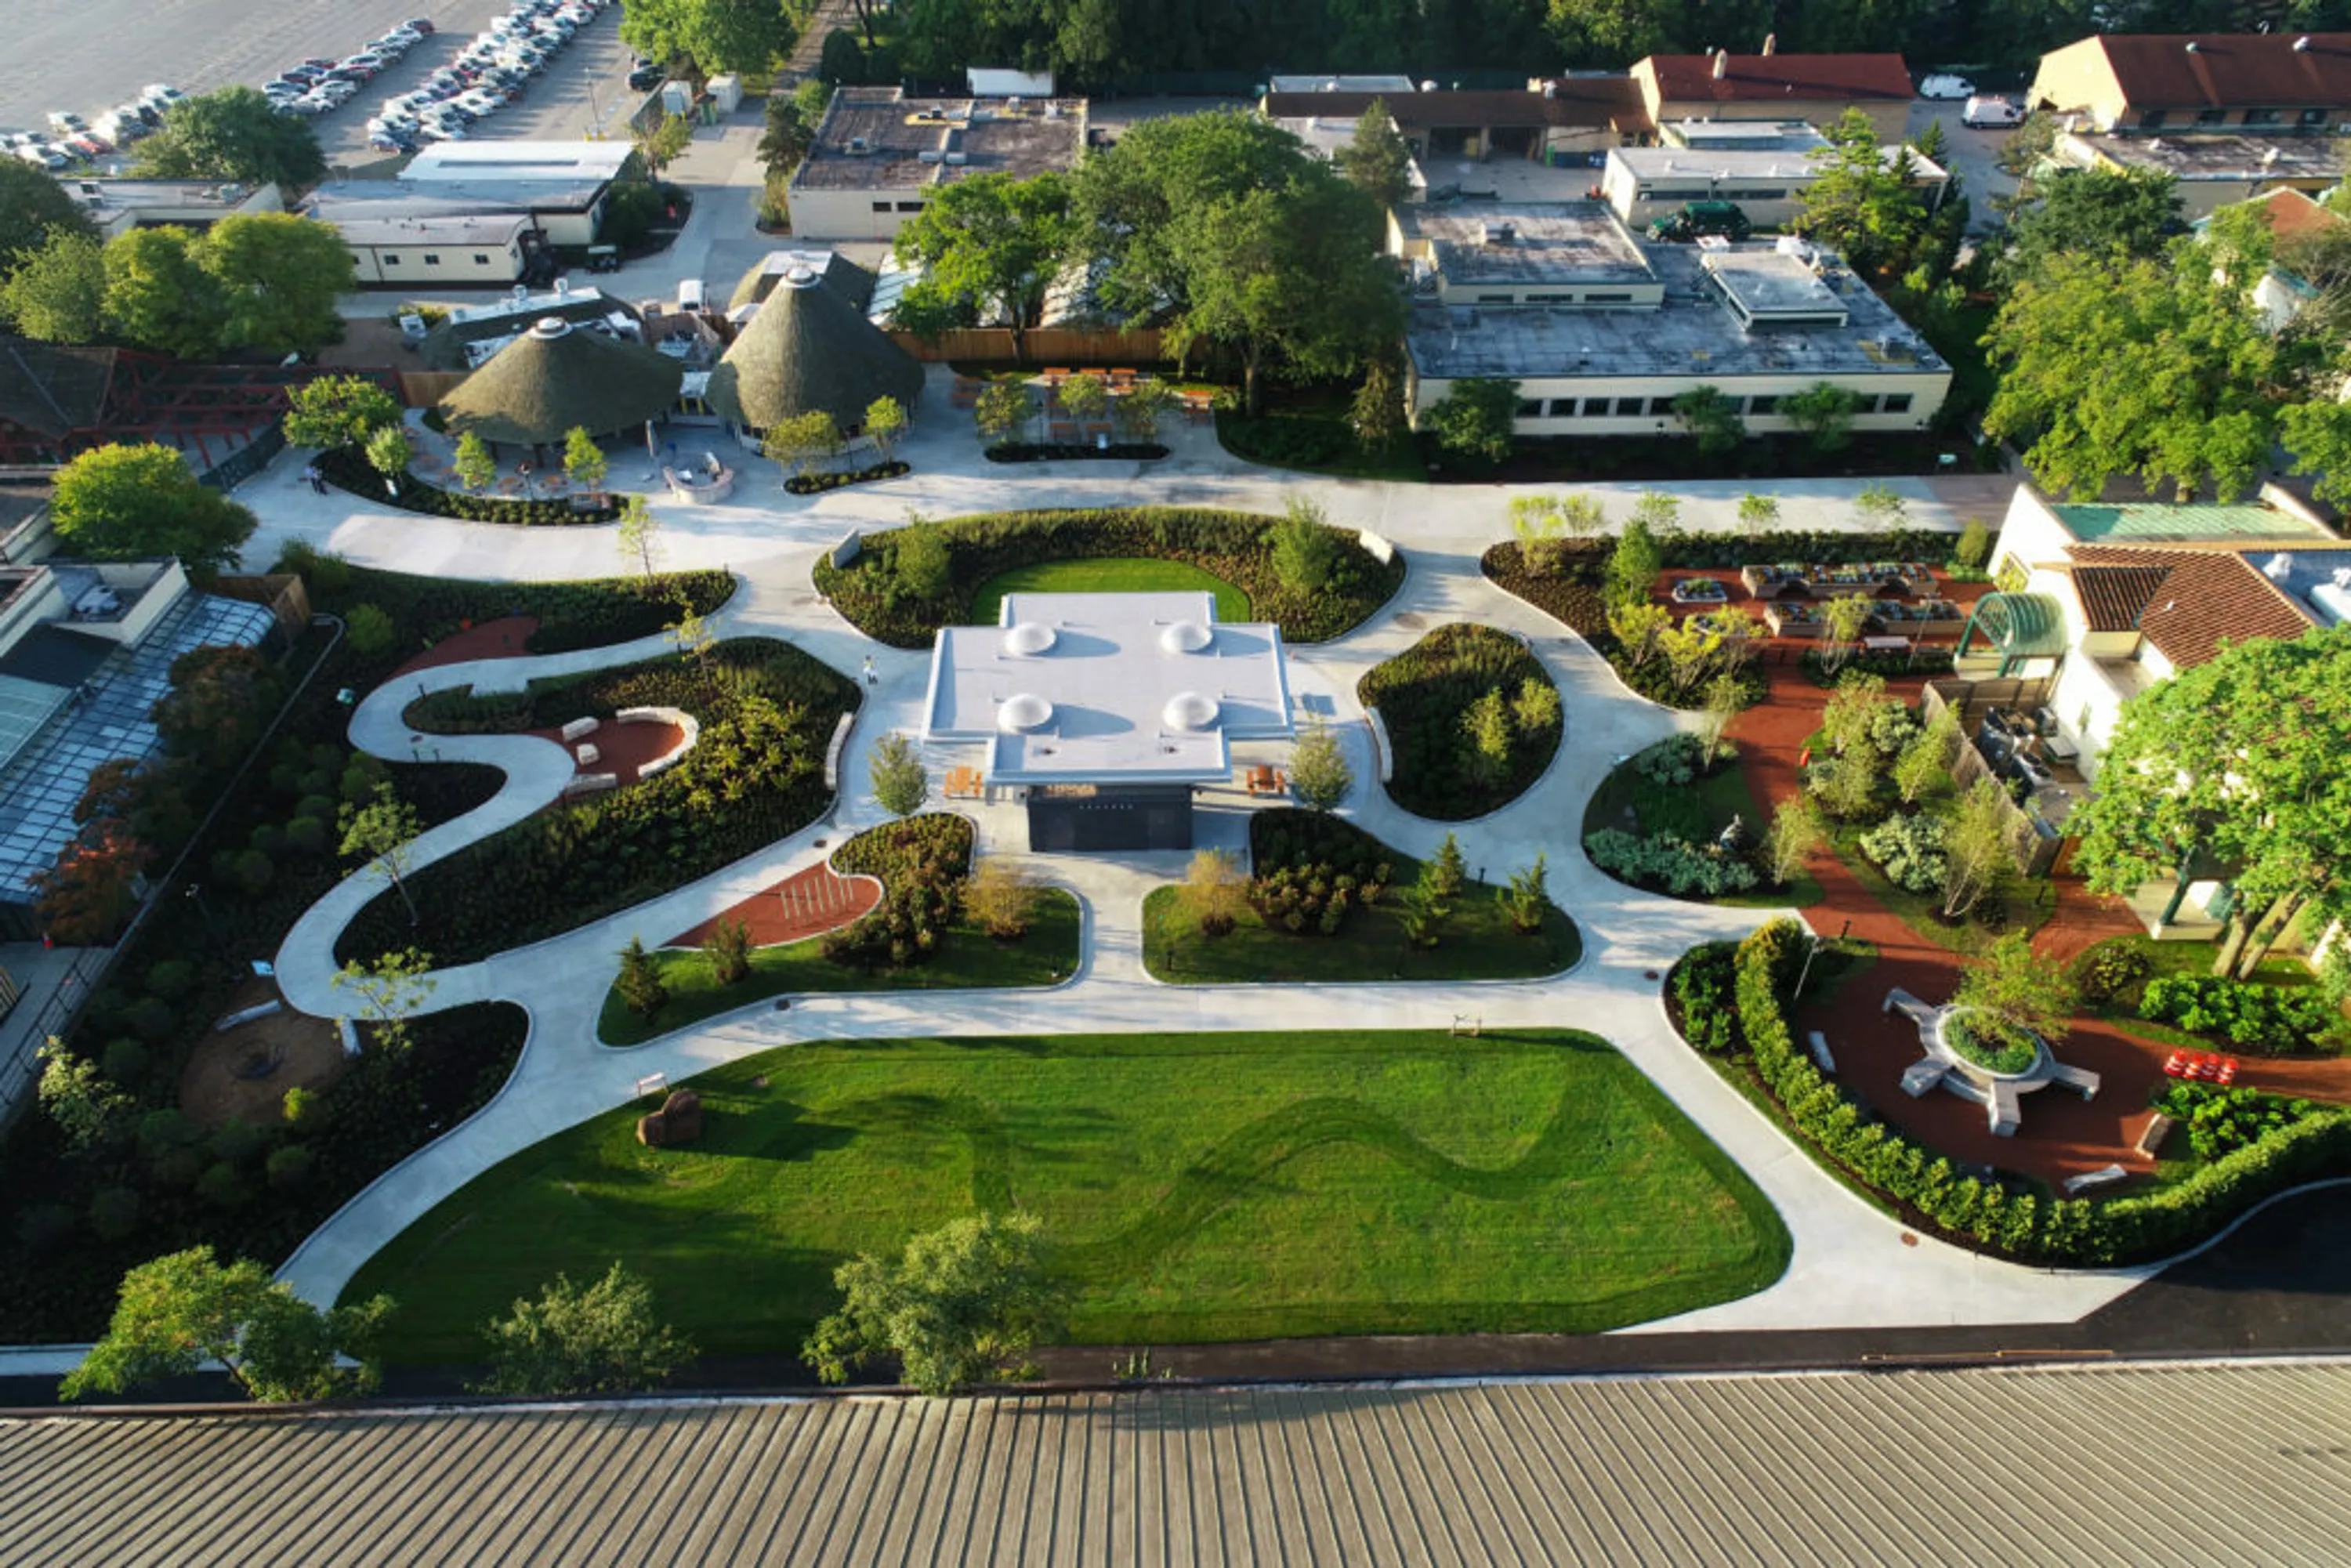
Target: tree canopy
[601,1338]
[57,293]
[965,1303]
[233,133]
[1378,159]
[710,36]
[158,298]
[133,503]
[278,275]
[34,206]
[2095,212]
[2233,767]
[1860,203]
[993,244]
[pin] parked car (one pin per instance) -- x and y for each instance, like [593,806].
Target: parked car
[162,95]
[1985,113]
[1942,83]
[41,155]
[1693,219]
[644,79]
[421,25]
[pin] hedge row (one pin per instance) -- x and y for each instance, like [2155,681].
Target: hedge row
[2022,1223]
[877,597]
[1074,451]
[347,468]
[841,478]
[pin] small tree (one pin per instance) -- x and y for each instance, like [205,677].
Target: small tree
[727,950]
[1487,724]
[1637,624]
[1637,562]
[583,460]
[1213,891]
[667,137]
[803,441]
[640,984]
[1690,648]
[1085,395]
[388,453]
[177,1313]
[1726,699]
[1843,620]
[1377,409]
[87,1107]
[900,783]
[1847,785]
[1759,512]
[1001,410]
[1448,873]
[1002,897]
[638,537]
[339,410]
[1305,549]
[603,1338]
[1712,417]
[1379,160]
[1536,706]
[1319,774]
[1478,419]
[1882,507]
[2019,991]
[1545,524]
[885,423]
[380,831]
[1977,850]
[921,563]
[472,464]
[396,985]
[1926,762]
[1139,412]
[1796,831]
[964,1303]
[1526,899]
[1824,413]
[690,633]
[1974,546]
[86,896]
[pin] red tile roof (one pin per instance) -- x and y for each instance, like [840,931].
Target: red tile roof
[2231,70]
[1610,102]
[1683,78]
[2206,596]
[2291,215]
[2113,596]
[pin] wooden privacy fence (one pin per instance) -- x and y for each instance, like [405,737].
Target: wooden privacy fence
[1046,346]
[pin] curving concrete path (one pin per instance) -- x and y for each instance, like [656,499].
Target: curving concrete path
[1853,1267]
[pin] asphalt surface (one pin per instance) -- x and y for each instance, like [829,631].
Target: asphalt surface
[87,56]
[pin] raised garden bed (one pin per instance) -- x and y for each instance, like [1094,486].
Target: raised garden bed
[1429,697]
[1075,451]
[842,478]
[347,468]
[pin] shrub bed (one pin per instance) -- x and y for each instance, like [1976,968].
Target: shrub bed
[1666,862]
[1702,995]
[347,468]
[755,775]
[1074,451]
[1312,871]
[1574,597]
[1994,1215]
[1925,663]
[2267,1018]
[1432,697]
[841,478]
[922,862]
[887,601]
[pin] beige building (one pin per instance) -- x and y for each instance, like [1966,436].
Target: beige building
[2214,169]
[2258,83]
[1765,167]
[118,206]
[878,155]
[1556,119]
[450,249]
[1601,331]
[1815,88]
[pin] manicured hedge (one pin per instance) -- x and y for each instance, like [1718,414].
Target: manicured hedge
[841,478]
[1424,696]
[347,468]
[1235,545]
[1924,663]
[1074,451]
[755,775]
[1995,1216]
[1816,547]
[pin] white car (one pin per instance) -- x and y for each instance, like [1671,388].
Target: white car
[1988,113]
[1944,84]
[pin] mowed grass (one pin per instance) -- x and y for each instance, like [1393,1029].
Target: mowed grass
[1109,574]
[967,959]
[1195,1187]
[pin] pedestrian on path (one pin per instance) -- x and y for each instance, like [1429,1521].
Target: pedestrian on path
[317,481]
[871,678]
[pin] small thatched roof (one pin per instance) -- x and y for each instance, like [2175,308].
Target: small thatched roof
[836,271]
[557,378]
[810,349]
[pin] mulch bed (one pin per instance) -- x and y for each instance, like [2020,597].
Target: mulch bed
[805,904]
[621,748]
[508,637]
[220,1080]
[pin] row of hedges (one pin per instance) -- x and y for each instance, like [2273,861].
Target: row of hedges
[842,478]
[347,468]
[1473,720]
[908,582]
[755,775]
[1924,663]
[1769,546]
[1075,451]
[1992,1214]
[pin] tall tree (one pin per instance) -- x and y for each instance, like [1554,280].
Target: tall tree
[158,298]
[965,1303]
[56,293]
[339,410]
[185,1309]
[2235,767]
[993,245]
[1862,203]
[2091,212]
[33,207]
[276,276]
[1378,159]
[234,133]
[133,503]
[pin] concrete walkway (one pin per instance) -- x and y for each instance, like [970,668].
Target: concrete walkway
[1852,1268]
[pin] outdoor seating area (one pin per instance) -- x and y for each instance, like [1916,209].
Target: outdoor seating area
[1267,780]
[700,484]
[1799,579]
[965,784]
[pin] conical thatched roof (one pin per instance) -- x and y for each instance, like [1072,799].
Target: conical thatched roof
[836,271]
[557,378]
[810,349]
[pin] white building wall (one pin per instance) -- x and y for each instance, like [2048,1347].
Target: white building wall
[463,263]
[1924,389]
[835,215]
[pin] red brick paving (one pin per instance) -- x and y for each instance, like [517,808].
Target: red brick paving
[508,637]
[805,904]
[2062,1135]
[621,748]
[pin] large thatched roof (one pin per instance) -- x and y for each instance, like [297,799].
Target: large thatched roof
[557,378]
[810,349]
[835,270]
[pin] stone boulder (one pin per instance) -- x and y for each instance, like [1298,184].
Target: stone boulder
[679,1120]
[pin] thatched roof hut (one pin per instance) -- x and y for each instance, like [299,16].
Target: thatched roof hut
[810,349]
[557,378]
[834,270]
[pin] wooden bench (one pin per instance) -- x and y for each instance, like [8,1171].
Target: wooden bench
[2105,1176]
[2152,1139]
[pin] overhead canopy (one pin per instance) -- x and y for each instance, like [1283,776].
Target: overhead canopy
[557,378]
[808,348]
[2017,626]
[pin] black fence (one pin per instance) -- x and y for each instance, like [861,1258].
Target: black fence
[246,461]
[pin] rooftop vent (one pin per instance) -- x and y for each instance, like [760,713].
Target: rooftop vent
[1722,64]
[800,278]
[1027,638]
[1185,637]
[1024,715]
[858,144]
[2193,47]
[1190,711]
[1497,233]
[957,160]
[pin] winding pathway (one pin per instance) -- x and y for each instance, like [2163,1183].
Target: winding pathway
[1852,1267]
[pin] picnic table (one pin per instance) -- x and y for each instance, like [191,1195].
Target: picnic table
[965,783]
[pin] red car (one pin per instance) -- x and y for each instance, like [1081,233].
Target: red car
[419,25]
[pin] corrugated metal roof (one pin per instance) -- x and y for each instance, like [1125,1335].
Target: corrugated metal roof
[2208,1463]
[2180,521]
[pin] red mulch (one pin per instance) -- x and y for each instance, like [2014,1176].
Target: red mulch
[621,748]
[805,904]
[2062,1135]
[504,638]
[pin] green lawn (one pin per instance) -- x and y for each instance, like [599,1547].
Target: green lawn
[1480,944]
[967,958]
[1698,813]
[1197,1187]
[1108,574]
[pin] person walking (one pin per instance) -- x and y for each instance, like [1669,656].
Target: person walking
[871,678]
[316,480]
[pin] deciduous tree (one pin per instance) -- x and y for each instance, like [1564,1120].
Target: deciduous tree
[2019,991]
[56,292]
[474,467]
[1843,620]
[1002,897]
[900,783]
[1860,203]
[885,424]
[1213,891]
[1476,419]
[1376,411]
[639,536]
[1757,512]
[1546,525]
[344,411]
[993,245]
[710,36]
[83,899]
[394,985]
[1824,413]
[33,208]
[584,462]
[388,453]
[1795,833]
[221,701]
[965,1303]
[1001,410]
[276,276]
[1636,563]
[88,1109]
[1712,417]
[234,133]
[158,298]
[1305,550]
[380,831]
[1979,853]
[603,1338]
[803,441]
[2094,214]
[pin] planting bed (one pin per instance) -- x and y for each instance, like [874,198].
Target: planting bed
[1427,697]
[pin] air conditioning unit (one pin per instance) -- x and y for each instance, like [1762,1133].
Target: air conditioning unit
[857,144]
[957,159]
[929,155]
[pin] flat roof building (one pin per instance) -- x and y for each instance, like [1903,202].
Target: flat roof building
[2215,169]
[518,163]
[1551,116]
[1601,331]
[1765,171]
[1774,86]
[118,206]
[450,249]
[879,154]
[560,186]
[1107,708]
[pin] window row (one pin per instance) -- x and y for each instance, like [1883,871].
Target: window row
[2157,118]
[431,259]
[1760,405]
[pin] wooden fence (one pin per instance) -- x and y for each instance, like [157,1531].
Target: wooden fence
[1046,346]
[2036,854]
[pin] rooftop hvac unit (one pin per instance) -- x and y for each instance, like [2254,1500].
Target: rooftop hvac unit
[957,160]
[2280,567]
[857,144]
[929,155]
